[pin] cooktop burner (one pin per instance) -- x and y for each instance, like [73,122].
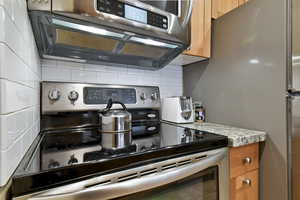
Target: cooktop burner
[69,155]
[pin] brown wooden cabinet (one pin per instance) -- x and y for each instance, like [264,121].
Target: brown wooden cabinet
[244,172]
[200,30]
[203,12]
[221,7]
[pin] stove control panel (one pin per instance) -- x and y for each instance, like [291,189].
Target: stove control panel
[76,97]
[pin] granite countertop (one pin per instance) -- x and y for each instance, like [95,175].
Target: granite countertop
[237,136]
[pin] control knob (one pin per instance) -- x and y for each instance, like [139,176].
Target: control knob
[53,164]
[143,97]
[154,96]
[54,95]
[72,160]
[73,95]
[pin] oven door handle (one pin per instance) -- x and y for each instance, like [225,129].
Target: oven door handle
[120,189]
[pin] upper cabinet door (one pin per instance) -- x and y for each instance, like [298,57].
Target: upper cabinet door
[200,29]
[241,2]
[221,7]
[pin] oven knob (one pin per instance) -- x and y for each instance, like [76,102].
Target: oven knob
[154,96]
[143,148]
[143,97]
[54,95]
[73,96]
[72,160]
[53,164]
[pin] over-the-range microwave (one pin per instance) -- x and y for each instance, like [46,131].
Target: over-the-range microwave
[135,33]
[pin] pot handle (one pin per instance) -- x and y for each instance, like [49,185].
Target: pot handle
[110,104]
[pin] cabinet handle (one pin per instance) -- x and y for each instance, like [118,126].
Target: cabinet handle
[247,182]
[247,160]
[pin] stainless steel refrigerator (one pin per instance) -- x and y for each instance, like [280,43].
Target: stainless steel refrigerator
[244,84]
[293,98]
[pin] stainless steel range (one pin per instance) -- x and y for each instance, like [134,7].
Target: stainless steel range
[165,161]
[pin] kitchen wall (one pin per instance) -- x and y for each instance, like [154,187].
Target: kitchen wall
[169,78]
[244,83]
[19,86]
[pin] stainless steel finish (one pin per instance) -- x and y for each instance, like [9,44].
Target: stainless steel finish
[62,156]
[54,94]
[115,121]
[295,148]
[177,24]
[115,126]
[293,101]
[64,104]
[247,160]
[134,180]
[117,40]
[154,96]
[143,97]
[244,83]
[186,107]
[44,5]
[247,182]
[117,140]
[73,95]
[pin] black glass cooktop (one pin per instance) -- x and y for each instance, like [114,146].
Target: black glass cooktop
[57,158]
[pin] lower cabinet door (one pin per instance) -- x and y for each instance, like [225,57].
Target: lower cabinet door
[245,187]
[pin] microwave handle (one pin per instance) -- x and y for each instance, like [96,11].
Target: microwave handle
[188,15]
[132,186]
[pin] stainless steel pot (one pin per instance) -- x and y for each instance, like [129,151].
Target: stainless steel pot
[116,127]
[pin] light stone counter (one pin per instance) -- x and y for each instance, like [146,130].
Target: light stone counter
[237,136]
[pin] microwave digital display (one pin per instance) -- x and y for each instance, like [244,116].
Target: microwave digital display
[135,14]
[167,5]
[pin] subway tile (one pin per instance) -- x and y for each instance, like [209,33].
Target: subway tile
[84,76]
[107,77]
[169,77]
[14,96]
[56,74]
[20,74]
[10,159]
[70,65]
[97,68]
[48,63]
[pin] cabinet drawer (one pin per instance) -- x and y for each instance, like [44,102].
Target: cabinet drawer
[245,187]
[243,159]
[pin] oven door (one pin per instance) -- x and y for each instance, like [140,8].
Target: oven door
[200,176]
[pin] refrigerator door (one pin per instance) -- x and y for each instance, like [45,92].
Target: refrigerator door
[294,72]
[293,105]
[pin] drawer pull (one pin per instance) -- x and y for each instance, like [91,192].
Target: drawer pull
[247,182]
[247,160]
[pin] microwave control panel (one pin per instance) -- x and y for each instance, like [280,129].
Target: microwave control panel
[132,13]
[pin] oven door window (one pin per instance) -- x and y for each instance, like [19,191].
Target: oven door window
[201,186]
[170,6]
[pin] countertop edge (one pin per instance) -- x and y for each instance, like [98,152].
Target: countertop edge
[237,136]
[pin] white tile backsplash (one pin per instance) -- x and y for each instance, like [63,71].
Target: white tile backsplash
[169,78]
[20,75]
[21,72]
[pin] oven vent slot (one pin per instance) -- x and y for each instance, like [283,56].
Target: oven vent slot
[169,166]
[153,170]
[98,184]
[200,157]
[128,177]
[148,171]
[184,162]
